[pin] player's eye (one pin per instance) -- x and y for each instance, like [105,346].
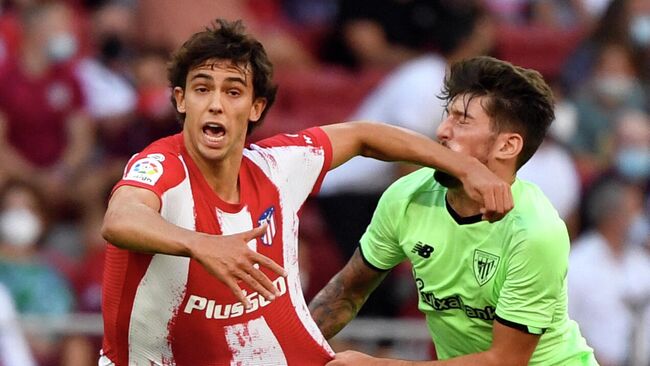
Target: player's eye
[234,92]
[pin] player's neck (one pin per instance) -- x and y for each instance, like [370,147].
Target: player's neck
[227,188]
[462,203]
[223,177]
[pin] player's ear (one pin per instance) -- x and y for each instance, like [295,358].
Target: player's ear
[508,146]
[256,109]
[179,96]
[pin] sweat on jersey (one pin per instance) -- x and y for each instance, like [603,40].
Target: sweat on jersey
[469,272]
[168,310]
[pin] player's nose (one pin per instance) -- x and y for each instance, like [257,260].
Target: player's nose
[443,133]
[215,103]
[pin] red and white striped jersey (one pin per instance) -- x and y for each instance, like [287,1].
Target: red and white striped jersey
[167,310]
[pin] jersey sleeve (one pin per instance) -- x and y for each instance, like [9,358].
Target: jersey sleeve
[295,163]
[535,278]
[379,245]
[155,169]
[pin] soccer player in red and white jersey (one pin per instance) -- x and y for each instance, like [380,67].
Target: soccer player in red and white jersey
[202,268]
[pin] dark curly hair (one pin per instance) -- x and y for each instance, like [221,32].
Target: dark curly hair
[519,100]
[225,40]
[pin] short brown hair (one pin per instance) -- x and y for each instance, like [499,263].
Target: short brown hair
[225,40]
[518,99]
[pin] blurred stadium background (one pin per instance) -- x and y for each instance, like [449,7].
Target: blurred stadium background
[84,87]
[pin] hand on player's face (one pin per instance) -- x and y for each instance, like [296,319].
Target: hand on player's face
[467,129]
[228,258]
[495,194]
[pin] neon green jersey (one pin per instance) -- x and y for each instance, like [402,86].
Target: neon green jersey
[470,272]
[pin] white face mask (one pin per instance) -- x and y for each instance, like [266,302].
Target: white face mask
[615,87]
[61,47]
[640,30]
[634,163]
[19,227]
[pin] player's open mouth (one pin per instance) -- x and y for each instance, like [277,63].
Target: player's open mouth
[214,132]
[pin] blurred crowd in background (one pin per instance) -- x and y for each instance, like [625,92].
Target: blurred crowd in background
[84,87]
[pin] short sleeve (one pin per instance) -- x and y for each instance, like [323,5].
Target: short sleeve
[307,153]
[379,245]
[295,163]
[535,278]
[154,169]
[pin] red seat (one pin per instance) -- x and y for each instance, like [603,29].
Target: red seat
[541,48]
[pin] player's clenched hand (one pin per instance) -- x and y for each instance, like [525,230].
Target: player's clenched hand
[482,185]
[353,358]
[228,258]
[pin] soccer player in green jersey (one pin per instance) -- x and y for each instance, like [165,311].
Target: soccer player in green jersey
[493,293]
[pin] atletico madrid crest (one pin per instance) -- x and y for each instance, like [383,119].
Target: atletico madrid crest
[269,217]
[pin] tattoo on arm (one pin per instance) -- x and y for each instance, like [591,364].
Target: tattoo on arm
[341,299]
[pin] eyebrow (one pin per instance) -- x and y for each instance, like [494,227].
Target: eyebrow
[457,111]
[232,79]
[236,79]
[201,76]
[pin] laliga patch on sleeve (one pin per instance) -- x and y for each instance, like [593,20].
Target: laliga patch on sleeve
[146,170]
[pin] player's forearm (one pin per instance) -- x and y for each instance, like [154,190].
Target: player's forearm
[386,142]
[138,227]
[491,357]
[332,308]
[340,300]
[475,359]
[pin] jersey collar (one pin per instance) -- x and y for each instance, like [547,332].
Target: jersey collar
[460,220]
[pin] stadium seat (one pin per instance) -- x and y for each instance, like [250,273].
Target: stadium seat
[541,48]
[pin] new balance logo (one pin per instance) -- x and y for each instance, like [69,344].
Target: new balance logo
[422,249]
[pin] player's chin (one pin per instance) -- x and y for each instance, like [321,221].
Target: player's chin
[212,153]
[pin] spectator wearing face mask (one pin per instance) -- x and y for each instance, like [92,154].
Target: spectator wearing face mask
[631,156]
[614,87]
[104,73]
[624,22]
[609,276]
[45,135]
[639,34]
[631,160]
[36,288]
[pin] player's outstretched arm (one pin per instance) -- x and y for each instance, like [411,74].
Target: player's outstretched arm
[132,222]
[510,347]
[391,143]
[340,300]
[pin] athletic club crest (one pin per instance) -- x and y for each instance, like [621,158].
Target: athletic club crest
[269,217]
[485,266]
